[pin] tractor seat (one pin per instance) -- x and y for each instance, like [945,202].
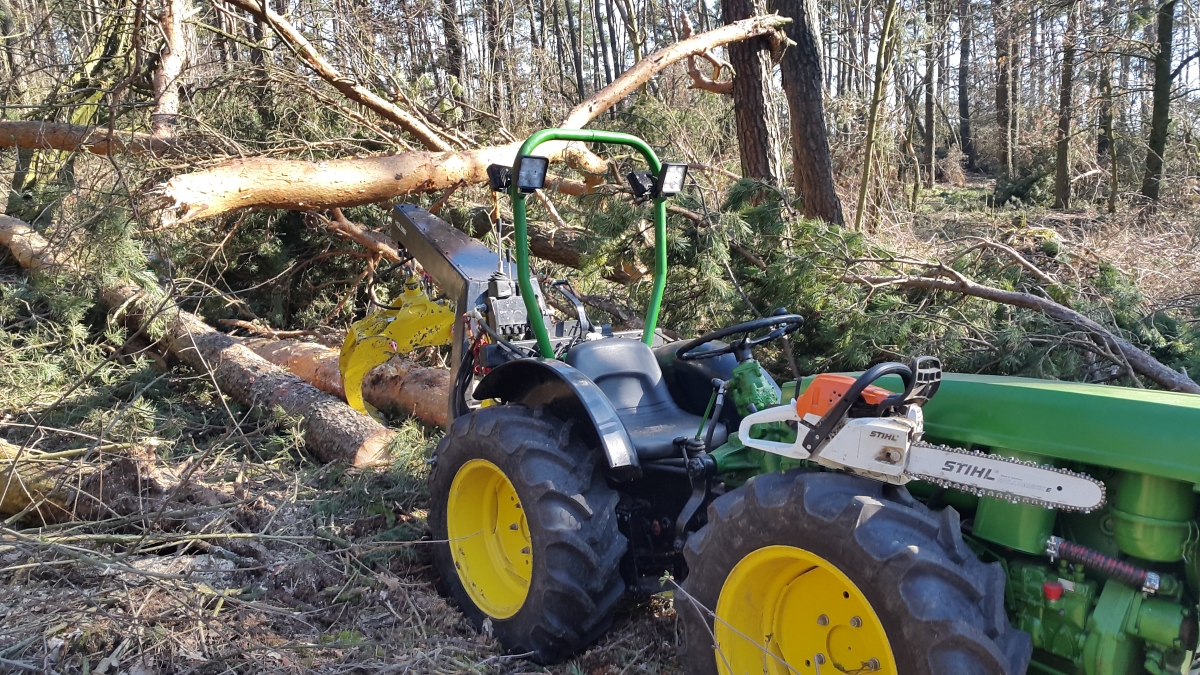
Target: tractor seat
[629,375]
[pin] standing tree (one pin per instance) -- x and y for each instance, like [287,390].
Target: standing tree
[930,169]
[757,127]
[964,80]
[1001,18]
[1062,177]
[1161,108]
[802,78]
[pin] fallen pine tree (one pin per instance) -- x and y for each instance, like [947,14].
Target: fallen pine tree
[304,185]
[333,431]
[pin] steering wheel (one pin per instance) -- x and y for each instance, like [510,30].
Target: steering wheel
[781,324]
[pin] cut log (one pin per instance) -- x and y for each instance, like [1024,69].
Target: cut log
[333,431]
[303,185]
[70,137]
[398,387]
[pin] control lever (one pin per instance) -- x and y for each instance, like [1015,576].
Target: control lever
[563,286]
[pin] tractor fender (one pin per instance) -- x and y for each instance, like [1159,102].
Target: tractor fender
[569,395]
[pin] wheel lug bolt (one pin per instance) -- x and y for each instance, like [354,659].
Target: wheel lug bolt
[822,621]
[856,622]
[513,527]
[820,659]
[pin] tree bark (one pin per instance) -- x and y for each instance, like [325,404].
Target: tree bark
[1139,361]
[1000,19]
[454,42]
[333,431]
[1161,108]
[930,173]
[967,141]
[398,387]
[165,82]
[883,66]
[303,185]
[802,78]
[348,87]
[759,146]
[1062,172]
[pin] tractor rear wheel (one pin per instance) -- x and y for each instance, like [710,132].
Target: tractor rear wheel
[813,572]
[528,545]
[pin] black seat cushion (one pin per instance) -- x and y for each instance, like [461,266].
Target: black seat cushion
[629,375]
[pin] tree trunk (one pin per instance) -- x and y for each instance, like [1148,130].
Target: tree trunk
[165,82]
[758,140]
[883,66]
[965,26]
[576,52]
[303,185]
[1062,177]
[801,69]
[454,44]
[38,135]
[1161,108]
[1000,18]
[333,431]
[930,65]
[398,387]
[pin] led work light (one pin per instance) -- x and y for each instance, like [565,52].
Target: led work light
[670,180]
[641,182]
[499,176]
[531,173]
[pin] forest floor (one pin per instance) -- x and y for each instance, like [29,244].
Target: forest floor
[305,568]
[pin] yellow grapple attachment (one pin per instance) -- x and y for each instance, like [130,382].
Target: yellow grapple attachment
[416,321]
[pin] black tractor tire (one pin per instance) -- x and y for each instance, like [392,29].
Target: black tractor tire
[941,608]
[571,515]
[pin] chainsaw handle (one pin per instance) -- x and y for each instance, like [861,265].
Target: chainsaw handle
[824,428]
[781,413]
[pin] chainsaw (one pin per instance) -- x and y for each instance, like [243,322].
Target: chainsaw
[847,423]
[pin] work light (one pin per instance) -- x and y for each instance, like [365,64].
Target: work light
[641,182]
[670,179]
[499,176]
[531,172]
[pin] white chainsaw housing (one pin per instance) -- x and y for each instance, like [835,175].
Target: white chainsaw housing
[886,449]
[877,447]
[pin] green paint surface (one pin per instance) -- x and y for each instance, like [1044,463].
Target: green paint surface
[521,228]
[1152,432]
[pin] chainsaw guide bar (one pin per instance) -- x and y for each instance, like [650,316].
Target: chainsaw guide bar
[1005,478]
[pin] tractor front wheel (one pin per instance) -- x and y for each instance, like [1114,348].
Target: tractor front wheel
[526,530]
[812,572]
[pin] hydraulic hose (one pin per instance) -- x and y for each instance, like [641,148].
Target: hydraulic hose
[1149,582]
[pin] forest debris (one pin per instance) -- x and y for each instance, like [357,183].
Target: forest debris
[942,278]
[347,86]
[333,431]
[51,491]
[302,185]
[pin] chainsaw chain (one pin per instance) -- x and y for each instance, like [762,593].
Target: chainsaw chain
[1008,496]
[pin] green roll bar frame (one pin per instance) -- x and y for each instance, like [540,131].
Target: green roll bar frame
[522,229]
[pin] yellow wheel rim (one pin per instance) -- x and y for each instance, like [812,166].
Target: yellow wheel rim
[784,610]
[489,538]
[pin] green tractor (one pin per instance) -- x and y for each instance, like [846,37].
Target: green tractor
[897,521]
